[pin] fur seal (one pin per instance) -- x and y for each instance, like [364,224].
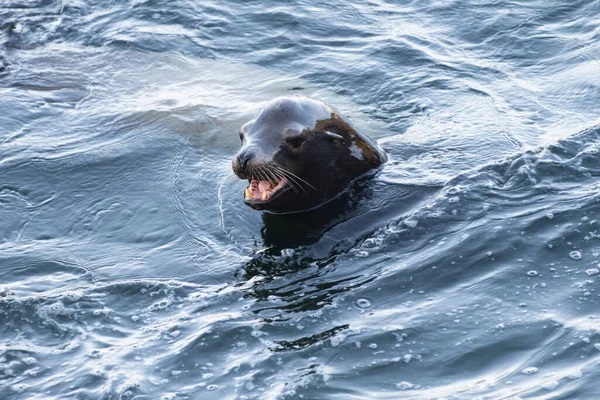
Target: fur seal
[298,153]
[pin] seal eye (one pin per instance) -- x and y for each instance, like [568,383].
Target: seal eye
[295,141]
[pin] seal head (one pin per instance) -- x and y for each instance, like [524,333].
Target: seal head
[298,153]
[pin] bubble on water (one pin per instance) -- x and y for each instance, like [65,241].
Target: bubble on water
[32,371]
[532,273]
[373,345]
[161,305]
[73,296]
[454,190]
[135,318]
[549,385]
[95,353]
[362,254]
[411,222]
[250,386]
[29,360]
[371,243]
[336,340]
[212,387]
[19,387]
[207,375]
[53,310]
[256,332]
[363,303]
[176,373]
[287,253]
[575,374]
[592,271]
[575,255]
[529,371]
[597,346]
[404,386]
[196,296]
[127,387]
[549,215]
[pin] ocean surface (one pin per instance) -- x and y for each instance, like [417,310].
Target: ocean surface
[467,267]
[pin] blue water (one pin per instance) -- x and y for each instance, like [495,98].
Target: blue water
[467,267]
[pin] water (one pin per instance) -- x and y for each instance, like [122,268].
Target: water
[467,267]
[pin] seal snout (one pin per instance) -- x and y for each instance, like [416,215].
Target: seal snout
[243,158]
[265,179]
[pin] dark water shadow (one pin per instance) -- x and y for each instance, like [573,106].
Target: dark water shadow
[293,242]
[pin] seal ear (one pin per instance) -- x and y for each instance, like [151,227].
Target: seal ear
[244,129]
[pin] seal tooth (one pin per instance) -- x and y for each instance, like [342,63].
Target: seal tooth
[264,196]
[247,193]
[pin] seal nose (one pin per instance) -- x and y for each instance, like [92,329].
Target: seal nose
[244,157]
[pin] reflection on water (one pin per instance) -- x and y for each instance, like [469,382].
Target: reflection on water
[466,267]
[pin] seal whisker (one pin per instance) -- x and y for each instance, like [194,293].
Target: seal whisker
[280,176]
[260,174]
[272,179]
[293,181]
[292,178]
[296,176]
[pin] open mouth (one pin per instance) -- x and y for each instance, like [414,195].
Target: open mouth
[263,191]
